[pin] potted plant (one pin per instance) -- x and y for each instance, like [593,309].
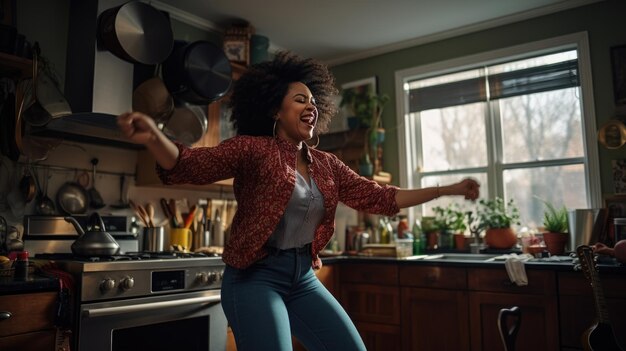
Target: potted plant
[450,221]
[364,106]
[555,226]
[497,218]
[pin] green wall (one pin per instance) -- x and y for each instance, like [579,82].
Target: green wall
[604,22]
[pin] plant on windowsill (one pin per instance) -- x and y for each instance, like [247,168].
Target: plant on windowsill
[556,228]
[497,218]
[451,222]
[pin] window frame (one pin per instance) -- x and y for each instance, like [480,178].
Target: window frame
[578,41]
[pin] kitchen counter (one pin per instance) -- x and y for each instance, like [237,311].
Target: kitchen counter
[35,283]
[556,263]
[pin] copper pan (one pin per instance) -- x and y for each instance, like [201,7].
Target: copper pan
[152,98]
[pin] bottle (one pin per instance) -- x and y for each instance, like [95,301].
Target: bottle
[403,226]
[21,266]
[385,235]
[417,237]
[218,230]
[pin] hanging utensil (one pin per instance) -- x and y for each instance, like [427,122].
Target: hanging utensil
[45,205]
[120,204]
[95,199]
[72,198]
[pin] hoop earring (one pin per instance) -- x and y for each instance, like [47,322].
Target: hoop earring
[274,128]
[318,141]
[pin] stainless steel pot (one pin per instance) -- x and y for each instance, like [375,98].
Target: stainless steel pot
[198,73]
[136,32]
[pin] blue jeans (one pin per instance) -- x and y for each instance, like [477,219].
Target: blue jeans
[279,296]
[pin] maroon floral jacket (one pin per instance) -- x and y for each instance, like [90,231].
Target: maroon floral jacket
[264,172]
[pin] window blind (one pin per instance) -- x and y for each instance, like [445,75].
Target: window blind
[519,82]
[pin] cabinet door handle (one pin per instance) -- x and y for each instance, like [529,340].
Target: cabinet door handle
[5,315]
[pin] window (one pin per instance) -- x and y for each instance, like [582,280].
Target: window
[513,119]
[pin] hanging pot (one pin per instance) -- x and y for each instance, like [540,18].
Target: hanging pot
[136,32]
[94,240]
[198,72]
[72,197]
[187,125]
[152,98]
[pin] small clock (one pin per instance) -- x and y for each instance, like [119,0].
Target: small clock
[612,135]
[237,50]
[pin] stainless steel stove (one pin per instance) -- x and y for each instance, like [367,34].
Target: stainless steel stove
[143,300]
[139,274]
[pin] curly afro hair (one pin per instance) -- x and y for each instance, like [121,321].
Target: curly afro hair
[258,94]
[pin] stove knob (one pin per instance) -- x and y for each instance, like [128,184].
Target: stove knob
[212,277]
[127,283]
[107,284]
[203,278]
[221,275]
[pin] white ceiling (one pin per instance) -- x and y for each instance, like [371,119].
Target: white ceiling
[339,31]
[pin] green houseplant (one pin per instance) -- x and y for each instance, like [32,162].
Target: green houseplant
[497,217]
[556,228]
[451,221]
[366,106]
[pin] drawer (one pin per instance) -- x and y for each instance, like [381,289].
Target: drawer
[29,312]
[369,273]
[497,280]
[575,283]
[433,277]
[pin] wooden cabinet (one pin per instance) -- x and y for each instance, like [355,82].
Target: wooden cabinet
[30,325]
[348,146]
[492,290]
[370,295]
[146,174]
[434,308]
[577,306]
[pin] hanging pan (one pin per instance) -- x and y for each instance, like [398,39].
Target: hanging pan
[198,73]
[136,32]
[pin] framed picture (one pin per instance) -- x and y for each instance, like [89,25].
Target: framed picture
[618,63]
[616,205]
[7,13]
[237,50]
[619,176]
[366,85]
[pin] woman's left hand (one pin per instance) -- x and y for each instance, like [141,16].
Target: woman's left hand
[469,188]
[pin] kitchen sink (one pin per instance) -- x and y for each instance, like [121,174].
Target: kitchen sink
[454,257]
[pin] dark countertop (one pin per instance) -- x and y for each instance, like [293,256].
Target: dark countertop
[35,283]
[561,263]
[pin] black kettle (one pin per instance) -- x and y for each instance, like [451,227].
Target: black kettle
[95,241]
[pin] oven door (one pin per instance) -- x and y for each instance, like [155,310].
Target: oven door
[186,321]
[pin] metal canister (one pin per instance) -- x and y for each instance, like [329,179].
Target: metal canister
[620,229]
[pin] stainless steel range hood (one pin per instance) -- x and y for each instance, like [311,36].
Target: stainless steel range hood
[98,85]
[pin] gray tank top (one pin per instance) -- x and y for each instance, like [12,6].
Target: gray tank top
[303,214]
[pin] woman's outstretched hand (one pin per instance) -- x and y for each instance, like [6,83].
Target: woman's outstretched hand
[468,188]
[137,127]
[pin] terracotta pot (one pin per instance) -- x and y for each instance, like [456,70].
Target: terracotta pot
[433,240]
[500,238]
[459,241]
[555,242]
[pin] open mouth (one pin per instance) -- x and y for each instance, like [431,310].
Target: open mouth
[309,120]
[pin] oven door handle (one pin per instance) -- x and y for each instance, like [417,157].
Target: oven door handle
[110,311]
